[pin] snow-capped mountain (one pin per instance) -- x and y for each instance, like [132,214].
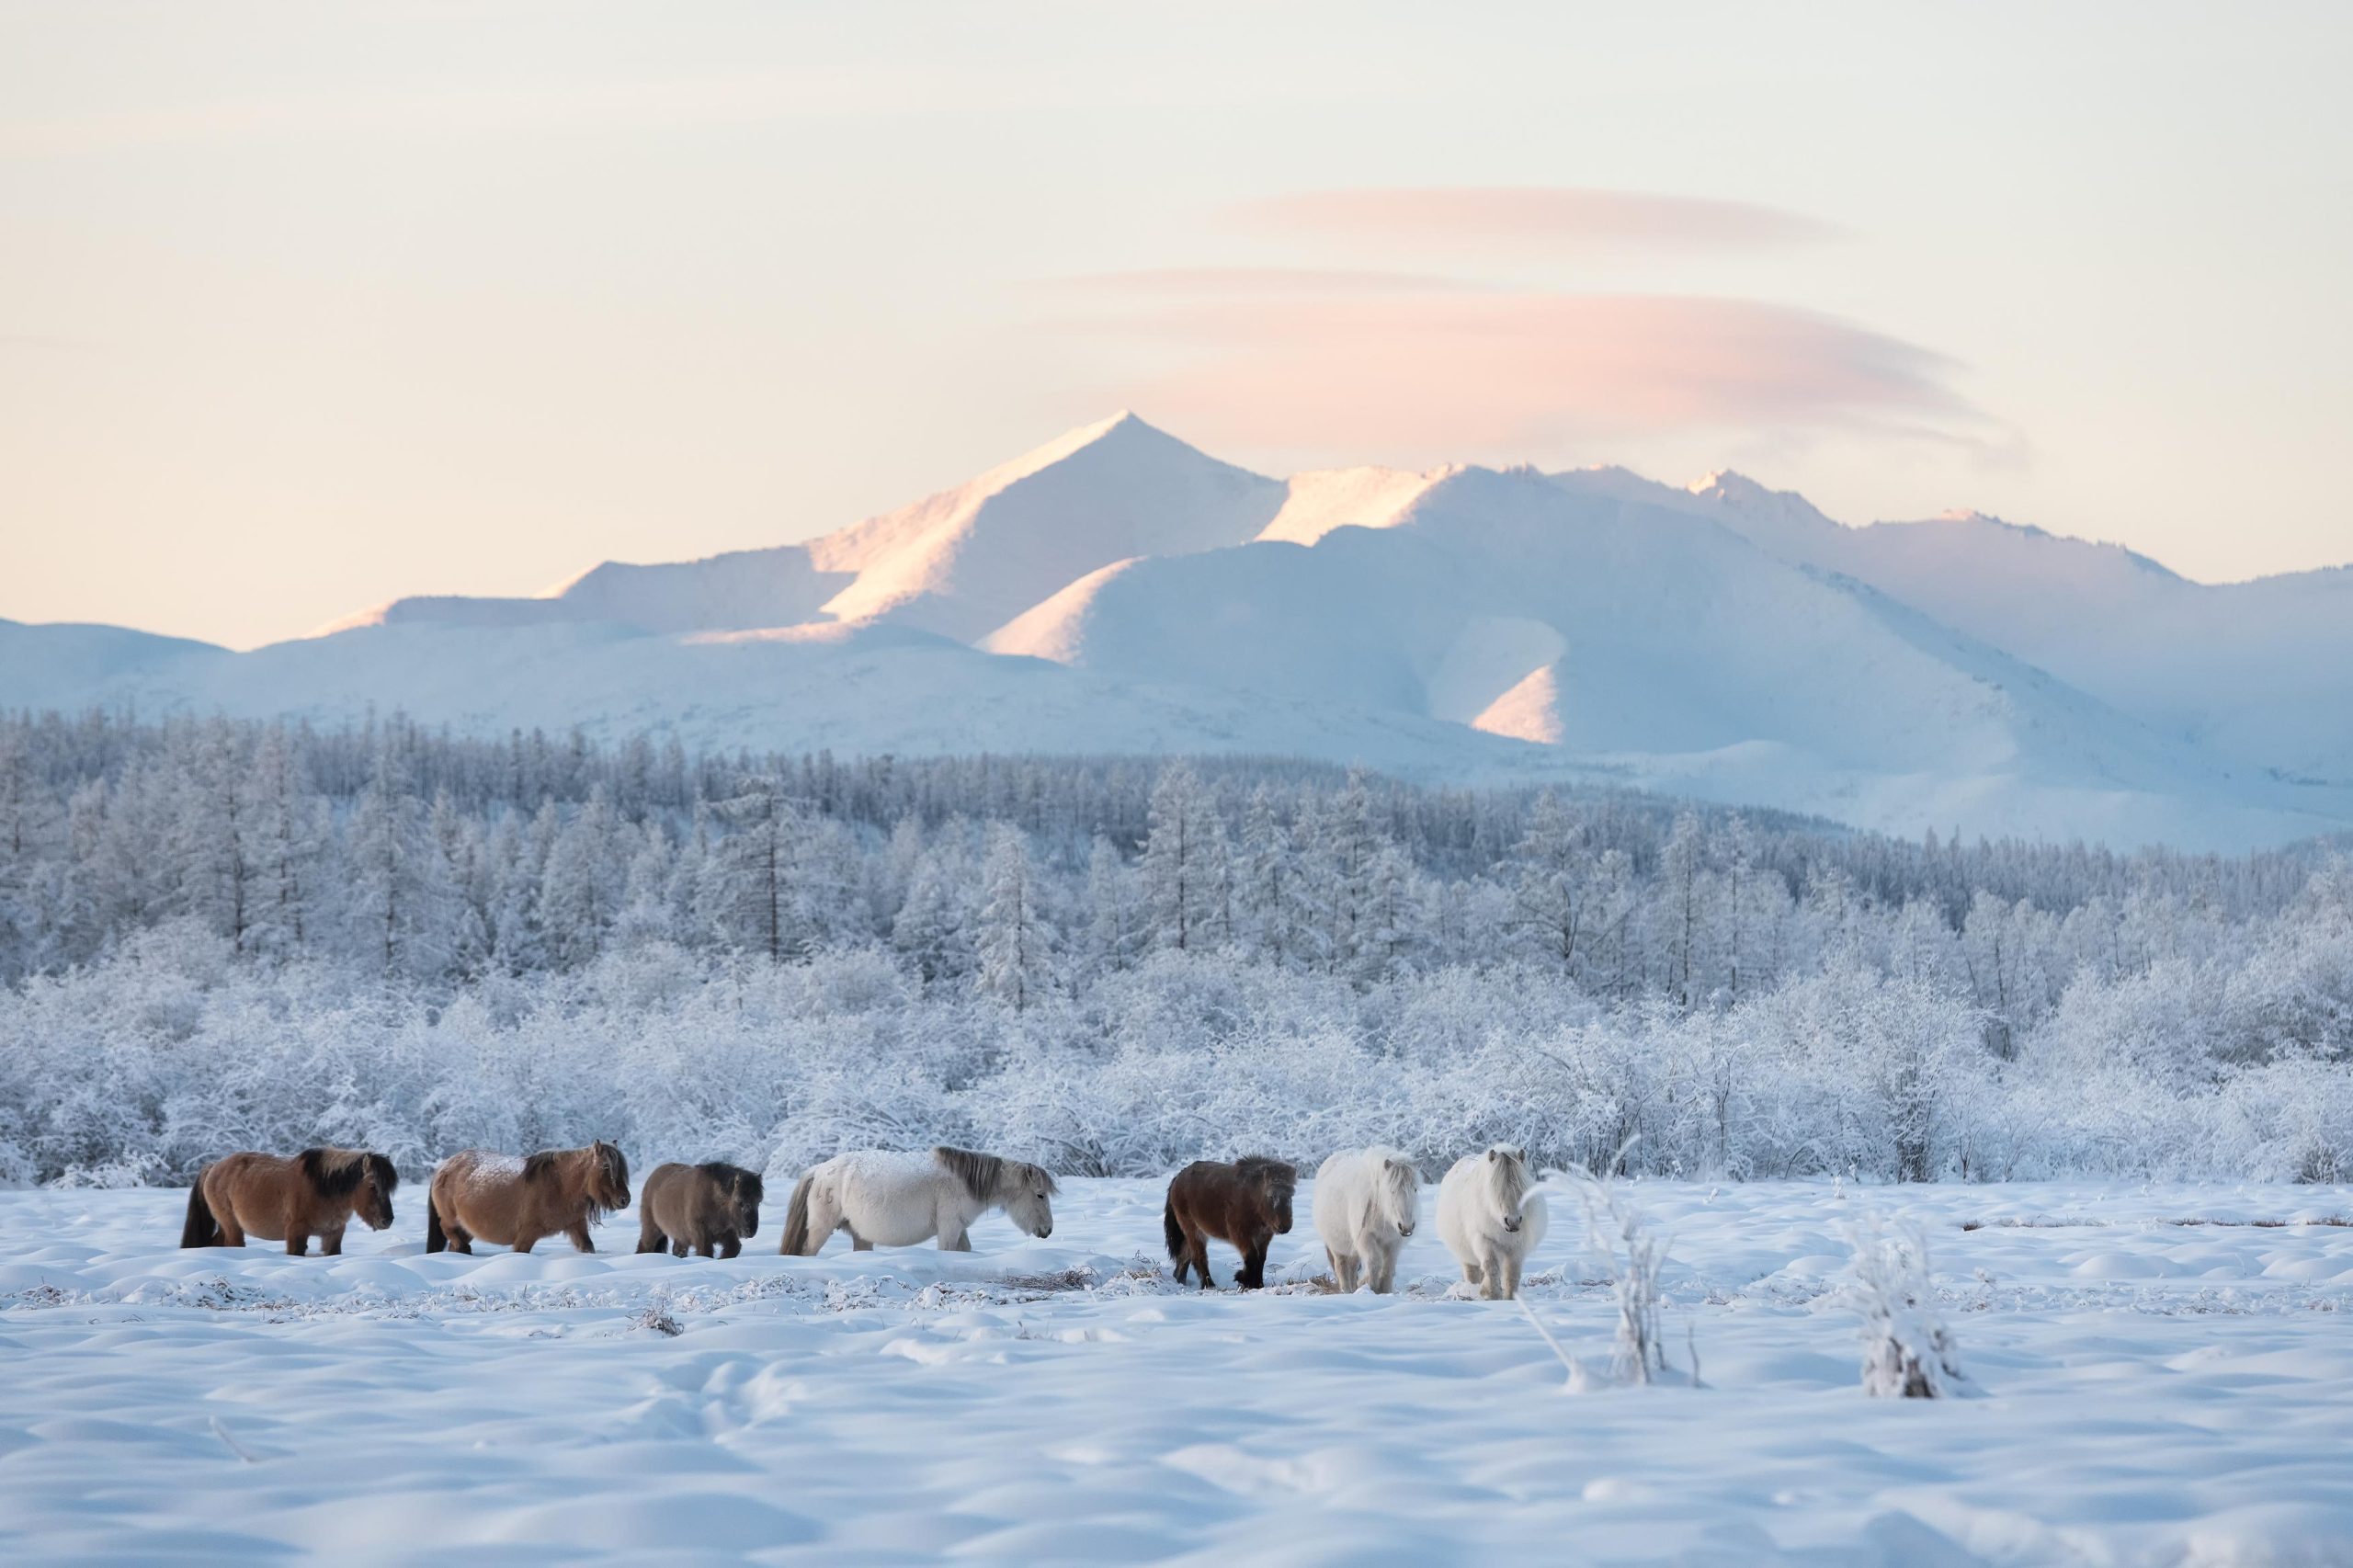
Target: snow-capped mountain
[2260,673]
[1116,590]
[958,564]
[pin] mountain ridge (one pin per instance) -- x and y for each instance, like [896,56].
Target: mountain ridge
[1115,588]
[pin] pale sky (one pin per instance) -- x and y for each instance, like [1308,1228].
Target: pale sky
[305,307]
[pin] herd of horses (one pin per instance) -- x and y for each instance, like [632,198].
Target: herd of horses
[1490,1212]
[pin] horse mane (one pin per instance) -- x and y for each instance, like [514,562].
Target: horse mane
[980,1172]
[613,1165]
[337,1173]
[1276,1172]
[735,1180]
[536,1167]
[1510,1178]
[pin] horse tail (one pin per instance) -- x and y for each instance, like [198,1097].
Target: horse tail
[201,1230]
[435,1239]
[796,1218]
[1173,1232]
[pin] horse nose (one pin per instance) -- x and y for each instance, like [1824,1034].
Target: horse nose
[1405,1230]
[1511,1224]
[1046,1232]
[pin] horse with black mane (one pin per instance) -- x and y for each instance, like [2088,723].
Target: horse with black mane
[514,1200]
[1245,1204]
[314,1194]
[709,1209]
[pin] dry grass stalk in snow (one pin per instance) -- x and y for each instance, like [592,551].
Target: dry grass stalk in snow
[1631,1257]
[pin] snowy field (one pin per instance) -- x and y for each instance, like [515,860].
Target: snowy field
[2152,1392]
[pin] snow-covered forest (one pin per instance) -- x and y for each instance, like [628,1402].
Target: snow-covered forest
[216,935]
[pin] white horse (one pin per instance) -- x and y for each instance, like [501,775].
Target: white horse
[1490,1219]
[897,1199]
[1366,1203]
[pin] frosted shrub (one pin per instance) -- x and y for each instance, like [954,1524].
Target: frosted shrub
[1907,1351]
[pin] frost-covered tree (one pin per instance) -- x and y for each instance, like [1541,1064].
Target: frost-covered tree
[1186,878]
[581,889]
[754,902]
[292,825]
[397,901]
[1115,930]
[1017,938]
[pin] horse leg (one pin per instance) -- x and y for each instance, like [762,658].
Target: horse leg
[860,1244]
[649,1234]
[1492,1265]
[297,1243]
[1384,1270]
[954,1238]
[331,1243]
[825,1216]
[732,1246]
[526,1240]
[1254,1262]
[1199,1244]
[233,1234]
[706,1247]
[1471,1275]
[1512,1262]
[679,1247]
[459,1240]
[578,1232]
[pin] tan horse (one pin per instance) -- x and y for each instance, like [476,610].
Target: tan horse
[314,1194]
[514,1201]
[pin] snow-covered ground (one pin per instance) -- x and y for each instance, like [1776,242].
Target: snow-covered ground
[2152,1392]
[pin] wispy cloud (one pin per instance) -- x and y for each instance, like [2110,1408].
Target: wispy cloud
[1513,373]
[1194,282]
[1553,219]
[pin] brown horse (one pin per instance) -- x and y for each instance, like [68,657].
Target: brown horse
[709,1208]
[478,1196]
[1245,1205]
[314,1194]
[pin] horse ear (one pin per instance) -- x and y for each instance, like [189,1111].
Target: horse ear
[1493,1156]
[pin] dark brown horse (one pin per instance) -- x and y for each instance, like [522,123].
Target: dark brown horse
[1246,1205]
[478,1196]
[710,1208]
[314,1194]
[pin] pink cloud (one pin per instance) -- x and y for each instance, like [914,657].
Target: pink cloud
[1550,218]
[1515,373]
[1192,282]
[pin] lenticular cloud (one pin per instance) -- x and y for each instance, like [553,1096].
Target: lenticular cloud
[1487,371]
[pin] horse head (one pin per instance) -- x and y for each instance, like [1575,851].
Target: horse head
[607,1186]
[1400,1191]
[366,1180]
[373,1200]
[1277,1182]
[1507,1184]
[1027,1193]
[745,1191]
